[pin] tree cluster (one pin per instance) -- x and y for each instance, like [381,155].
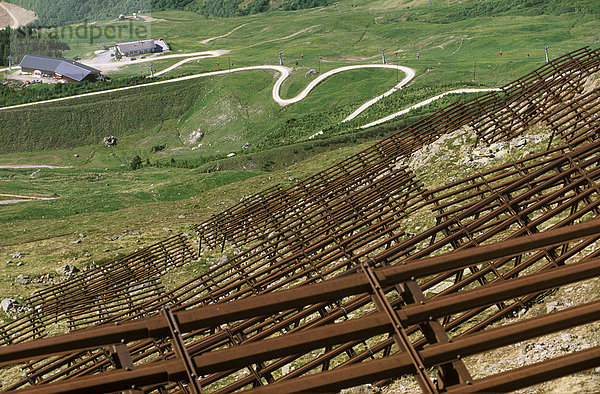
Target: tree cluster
[25,41]
[487,8]
[13,96]
[231,8]
[63,12]
[4,46]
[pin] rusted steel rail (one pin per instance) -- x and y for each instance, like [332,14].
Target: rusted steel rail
[494,116]
[357,215]
[542,170]
[94,296]
[338,333]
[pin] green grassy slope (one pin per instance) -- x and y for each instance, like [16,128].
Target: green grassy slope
[453,52]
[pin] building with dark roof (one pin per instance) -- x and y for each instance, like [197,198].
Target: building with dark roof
[135,48]
[61,69]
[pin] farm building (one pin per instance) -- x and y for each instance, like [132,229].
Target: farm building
[135,48]
[61,69]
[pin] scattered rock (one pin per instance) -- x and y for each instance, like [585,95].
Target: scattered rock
[9,305]
[551,306]
[67,269]
[312,71]
[16,255]
[23,279]
[82,235]
[110,141]
[19,264]
[181,216]
[552,347]
[196,137]
[231,155]
[78,241]
[9,262]
[246,145]
[75,155]
[440,287]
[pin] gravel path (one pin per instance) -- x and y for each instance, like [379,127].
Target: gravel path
[425,102]
[223,36]
[14,199]
[115,65]
[284,74]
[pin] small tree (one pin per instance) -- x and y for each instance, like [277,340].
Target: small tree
[135,163]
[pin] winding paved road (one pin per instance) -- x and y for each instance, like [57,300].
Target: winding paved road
[423,103]
[284,74]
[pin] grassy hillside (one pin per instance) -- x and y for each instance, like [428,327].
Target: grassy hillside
[88,120]
[237,109]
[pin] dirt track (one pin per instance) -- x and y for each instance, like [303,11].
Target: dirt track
[17,16]
[4,18]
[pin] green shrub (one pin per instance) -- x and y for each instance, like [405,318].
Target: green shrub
[135,163]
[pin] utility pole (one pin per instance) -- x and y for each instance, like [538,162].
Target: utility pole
[336,10]
[280,58]
[546,50]
[151,70]
[383,55]
[9,58]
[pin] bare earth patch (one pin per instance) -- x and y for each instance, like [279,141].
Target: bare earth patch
[17,16]
[4,18]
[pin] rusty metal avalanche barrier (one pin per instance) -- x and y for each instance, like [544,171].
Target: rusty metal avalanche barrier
[336,285]
[95,295]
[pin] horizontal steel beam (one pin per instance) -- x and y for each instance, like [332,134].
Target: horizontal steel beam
[216,314]
[371,325]
[399,364]
[338,378]
[533,374]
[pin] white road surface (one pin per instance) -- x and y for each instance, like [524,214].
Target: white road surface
[114,65]
[423,103]
[14,199]
[284,74]
[203,55]
[223,36]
